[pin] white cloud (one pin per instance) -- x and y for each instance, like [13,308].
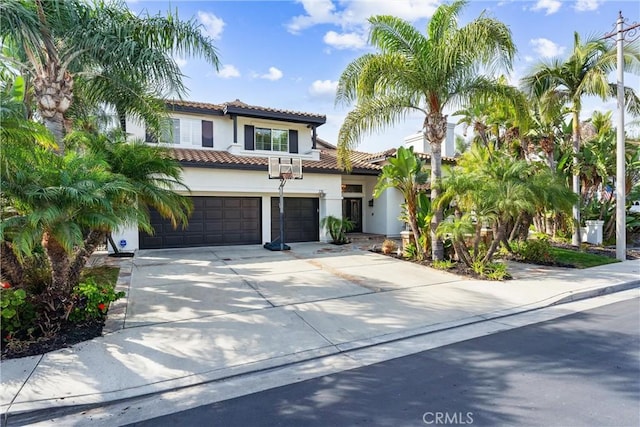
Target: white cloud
[546,48]
[528,58]
[551,6]
[317,12]
[273,74]
[213,25]
[345,40]
[351,17]
[228,71]
[587,5]
[181,62]
[323,88]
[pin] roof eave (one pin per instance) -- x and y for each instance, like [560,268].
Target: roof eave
[275,115]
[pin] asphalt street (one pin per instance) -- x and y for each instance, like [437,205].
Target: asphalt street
[578,370]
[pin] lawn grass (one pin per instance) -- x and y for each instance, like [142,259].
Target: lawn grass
[579,259]
[103,274]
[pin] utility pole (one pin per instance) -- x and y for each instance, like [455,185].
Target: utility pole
[631,33]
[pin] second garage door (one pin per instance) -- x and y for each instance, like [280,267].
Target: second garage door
[215,221]
[301,219]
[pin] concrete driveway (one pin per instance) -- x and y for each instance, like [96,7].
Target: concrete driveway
[193,316]
[183,284]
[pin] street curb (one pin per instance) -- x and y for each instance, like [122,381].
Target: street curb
[592,293]
[42,410]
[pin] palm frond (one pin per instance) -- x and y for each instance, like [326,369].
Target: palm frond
[369,116]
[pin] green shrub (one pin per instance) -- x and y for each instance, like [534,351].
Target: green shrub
[496,271]
[337,228]
[17,311]
[91,300]
[443,265]
[478,267]
[536,251]
[410,251]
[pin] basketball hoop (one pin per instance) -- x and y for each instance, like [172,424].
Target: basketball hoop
[284,170]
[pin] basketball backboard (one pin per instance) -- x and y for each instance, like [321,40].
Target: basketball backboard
[285,168]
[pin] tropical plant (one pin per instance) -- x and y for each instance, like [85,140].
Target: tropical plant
[337,228]
[489,187]
[405,172]
[16,133]
[413,72]
[584,72]
[66,204]
[150,170]
[103,50]
[497,119]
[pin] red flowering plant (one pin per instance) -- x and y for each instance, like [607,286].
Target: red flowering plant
[91,300]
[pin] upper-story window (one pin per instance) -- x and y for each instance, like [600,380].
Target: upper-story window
[185,132]
[272,139]
[191,132]
[171,134]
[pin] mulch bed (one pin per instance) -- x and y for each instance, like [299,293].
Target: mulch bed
[70,334]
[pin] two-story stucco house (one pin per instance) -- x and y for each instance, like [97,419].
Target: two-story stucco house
[224,150]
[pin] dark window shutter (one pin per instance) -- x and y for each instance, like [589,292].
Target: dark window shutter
[293,141]
[207,133]
[249,142]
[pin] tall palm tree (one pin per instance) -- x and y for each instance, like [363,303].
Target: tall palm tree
[113,55]
[413,72]
[584,72]
[406,173]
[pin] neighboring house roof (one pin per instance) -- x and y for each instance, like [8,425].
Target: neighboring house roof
[240,108]
[322,143]
[382,156]
[328,162]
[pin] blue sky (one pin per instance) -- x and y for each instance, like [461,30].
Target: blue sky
[289,54]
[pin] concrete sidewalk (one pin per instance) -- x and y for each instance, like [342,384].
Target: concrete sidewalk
[199,315]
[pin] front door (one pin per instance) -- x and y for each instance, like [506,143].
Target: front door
[352,209]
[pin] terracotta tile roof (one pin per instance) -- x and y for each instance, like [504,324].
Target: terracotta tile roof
[383,155]
[193,104]
[222,108]
[222,159]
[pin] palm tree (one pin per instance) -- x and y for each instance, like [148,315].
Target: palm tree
[406,173]
[153,174]
[497,119]
[56,199]
[413,72]
[15,131]
[110,54]
[584,72]
[492,187]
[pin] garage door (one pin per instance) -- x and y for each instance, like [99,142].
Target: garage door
[215,221]
[301,223]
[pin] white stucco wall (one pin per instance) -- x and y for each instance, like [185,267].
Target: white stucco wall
[223,133]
